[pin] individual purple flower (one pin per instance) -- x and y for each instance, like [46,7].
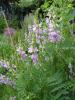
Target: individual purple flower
[4,64]
[54,37]
[9,31]
[34,58]
[47,20]
[32,50]
[22,53]
[50,28]
[36,29]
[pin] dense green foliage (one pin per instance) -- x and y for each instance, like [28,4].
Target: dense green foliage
[2,24]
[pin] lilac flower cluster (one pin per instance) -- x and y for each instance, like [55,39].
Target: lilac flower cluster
[54,37]
[40,38]
[51,33]
[22,53]
[37,30]
[4,64]
[33,53]
[9,31]
[5,80]
[34,57]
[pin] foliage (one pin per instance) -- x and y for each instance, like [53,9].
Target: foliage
[26,3]
[14,22]
[2,24]
[41,55]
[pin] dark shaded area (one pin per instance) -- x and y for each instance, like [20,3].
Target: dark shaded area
[4,4]
[21,12]
[72,21]
[9,7]
[73,3]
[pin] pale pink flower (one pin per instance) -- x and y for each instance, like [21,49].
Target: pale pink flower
[36,29]
[23,55]
[31,49]
[9,31]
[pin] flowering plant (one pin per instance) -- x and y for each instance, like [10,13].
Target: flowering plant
[40,66]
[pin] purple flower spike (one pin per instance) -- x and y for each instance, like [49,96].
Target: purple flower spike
[22,53]
[54,37]
[4,64]
[6,81]
[34,57]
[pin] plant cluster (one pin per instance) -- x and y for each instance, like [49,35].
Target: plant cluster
[38,62]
